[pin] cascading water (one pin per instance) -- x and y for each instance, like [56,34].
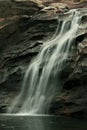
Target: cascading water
[42,80]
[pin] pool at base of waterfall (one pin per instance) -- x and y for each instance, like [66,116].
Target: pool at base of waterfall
[26,122]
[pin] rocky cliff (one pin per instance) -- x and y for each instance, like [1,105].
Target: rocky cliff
[24,26]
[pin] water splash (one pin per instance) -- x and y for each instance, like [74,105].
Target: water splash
[41,80]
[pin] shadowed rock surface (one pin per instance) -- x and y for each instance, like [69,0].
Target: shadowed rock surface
[24,26]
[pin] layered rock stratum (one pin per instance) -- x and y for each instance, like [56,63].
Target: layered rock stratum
[24,26]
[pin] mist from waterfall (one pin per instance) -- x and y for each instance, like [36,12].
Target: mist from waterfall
[42,78]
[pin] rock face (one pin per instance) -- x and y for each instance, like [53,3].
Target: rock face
[72,101]
[24,26]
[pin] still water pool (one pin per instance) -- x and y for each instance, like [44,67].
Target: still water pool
[23,122]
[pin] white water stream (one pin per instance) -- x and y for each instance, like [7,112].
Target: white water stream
[41,80]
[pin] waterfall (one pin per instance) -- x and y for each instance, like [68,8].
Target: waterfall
[42,78]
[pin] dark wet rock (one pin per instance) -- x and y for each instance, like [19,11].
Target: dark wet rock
[23,30]
[72,101]
[11,8]
[21,37]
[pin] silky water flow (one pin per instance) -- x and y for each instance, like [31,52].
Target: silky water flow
[42,78]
